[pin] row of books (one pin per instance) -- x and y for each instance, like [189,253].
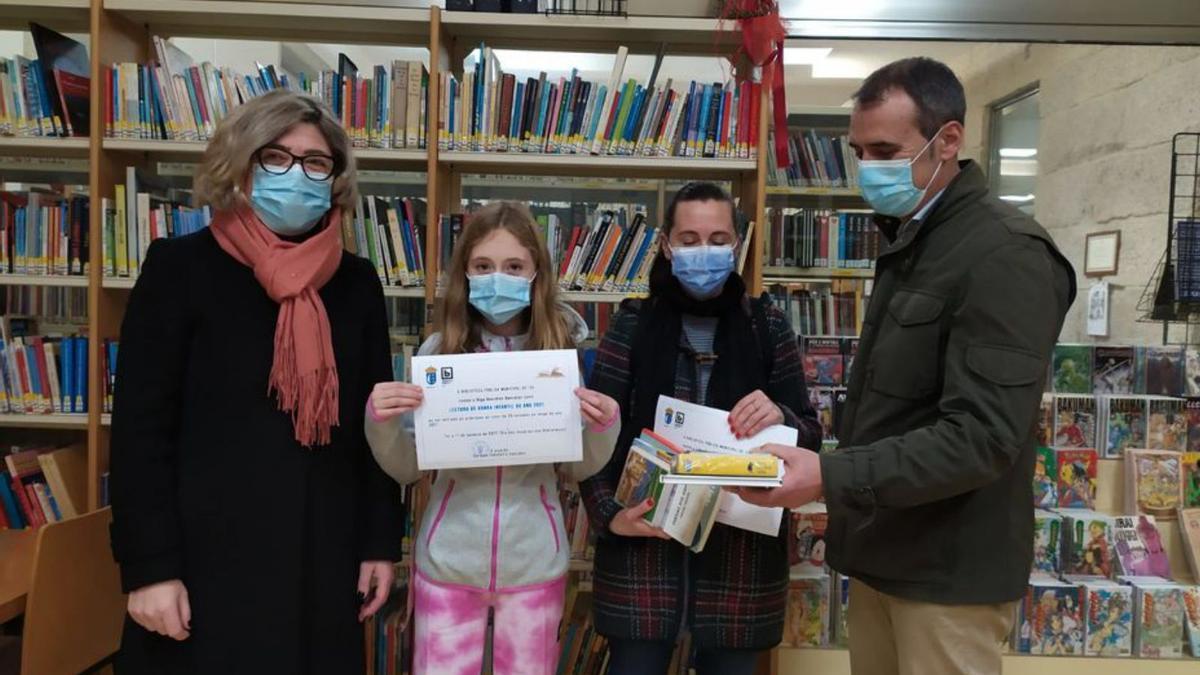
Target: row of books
[43,375]
[820,238]
[42,485]
[173,98]
[1081,542]
[815,159]
[44,232]
[836,308]
[47,96]
[389,232]
[1135,616]
[62,305]
[818,607]
[1103,369]
[491,111]
[141,210]
[1112,424]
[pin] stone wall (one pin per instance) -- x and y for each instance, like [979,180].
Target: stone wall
[1108,115]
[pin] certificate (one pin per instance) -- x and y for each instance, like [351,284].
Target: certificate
[498,409]
[697,428]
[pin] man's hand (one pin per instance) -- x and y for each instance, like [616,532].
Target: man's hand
[801,479]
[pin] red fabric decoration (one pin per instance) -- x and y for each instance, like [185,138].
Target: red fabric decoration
[763,33]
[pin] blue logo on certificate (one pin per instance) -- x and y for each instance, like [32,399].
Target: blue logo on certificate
[668,415]
[431,376]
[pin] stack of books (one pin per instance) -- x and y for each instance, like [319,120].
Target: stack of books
[47,96]
[820,238]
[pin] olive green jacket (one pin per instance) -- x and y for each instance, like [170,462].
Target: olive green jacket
[930,494]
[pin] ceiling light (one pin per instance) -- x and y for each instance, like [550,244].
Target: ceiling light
[1018,152]
[804,56]
[1017,199]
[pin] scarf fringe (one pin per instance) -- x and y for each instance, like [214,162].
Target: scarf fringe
[311,398]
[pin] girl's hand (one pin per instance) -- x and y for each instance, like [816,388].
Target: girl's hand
[754,413]
[392,399]
[375,579]
[599,410]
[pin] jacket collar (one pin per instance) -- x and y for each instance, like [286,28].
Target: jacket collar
[969,186]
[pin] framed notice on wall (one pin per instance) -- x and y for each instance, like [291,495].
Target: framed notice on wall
[1103,250]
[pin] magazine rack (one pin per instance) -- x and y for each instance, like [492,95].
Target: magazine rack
[1172,297]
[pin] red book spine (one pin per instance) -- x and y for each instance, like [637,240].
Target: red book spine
[4,524]
[39,516]
[39,349]
[23,373]
[566,259]
[198,83]
[23,501]
[612,119]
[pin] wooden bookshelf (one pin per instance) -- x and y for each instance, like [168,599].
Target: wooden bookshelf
[593,165]
[43,146]
[50,280]
[787,274]
[69,16]
[191,151]
[78,421]
[791,190]
[119,283]
[642,34]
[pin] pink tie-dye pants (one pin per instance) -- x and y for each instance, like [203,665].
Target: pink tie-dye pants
[450,626]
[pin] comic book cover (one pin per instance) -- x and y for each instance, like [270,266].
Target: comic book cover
[807,622]
[1191,609]
[1086,543]
[1076,477]
[806,547]
[1045,430]
[1168,427]
[1190,465]
[1073,369]
[1140,550]
[1124,425]
[841,627]
[822,402]
[1158,621]
[1054,616]
[823,362]
[1193,410]
[1109,619]
[849,351]
[1074,422]
[1112,373]
[1153,482]
[1191,372]
[1047,542]
[1045,479]
[1164,371]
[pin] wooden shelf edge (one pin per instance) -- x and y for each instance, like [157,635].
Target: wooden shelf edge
[55,421]
[471,162]
[51,280]
[196,148]
[591,296]
[850,193]
[404,291]
[801,273]
[119,283]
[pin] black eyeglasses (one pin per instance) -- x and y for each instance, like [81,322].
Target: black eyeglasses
[276,160]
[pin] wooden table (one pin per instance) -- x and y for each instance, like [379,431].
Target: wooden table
[17,548]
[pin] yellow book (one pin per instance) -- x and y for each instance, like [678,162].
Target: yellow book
[710,464]
[122,233]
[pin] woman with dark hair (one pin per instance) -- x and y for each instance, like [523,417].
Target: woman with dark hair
[698,337]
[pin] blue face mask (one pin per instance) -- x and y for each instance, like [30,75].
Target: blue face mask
[498,296]
[702,270]
[289,203]
[887,184]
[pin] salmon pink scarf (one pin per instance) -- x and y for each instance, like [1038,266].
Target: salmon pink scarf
[304,375]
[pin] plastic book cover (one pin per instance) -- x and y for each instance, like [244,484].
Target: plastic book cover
[1153,482]
[1073,369]
[641,479]
[1052,619]
[1158,621]
[1047,533]
[1191,480]
[806,547]
[841,627]
[823,361]
[849,351]
[1045,429]
[1191,372]
[1045,479]
[822,403]
[1189,532]
[1075,422]
[1191,615]
[1124,426]
[1087,544]
[1112,373]
[1164,371]
[1140,550]
[1109,624]
[1193,410]
[807,623]
[1076,478]
[1168,425]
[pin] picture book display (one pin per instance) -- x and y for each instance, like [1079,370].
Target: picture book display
[1075,422]
[1158,620]
[1164,371]
[1108,608]
[1139,545]
[1047,542]
[1153,480]
[806,547]
[1050,620]
[1076,477]
[1168,425]
[1087,543]
[808,610]
[1113,371]
[823,361]
[1191,479]
[1072,369]
[1124,424]
[1045,478]
[1189,531]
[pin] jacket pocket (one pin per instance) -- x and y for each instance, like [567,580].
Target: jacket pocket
[441,513]
[549,508]
[904,361]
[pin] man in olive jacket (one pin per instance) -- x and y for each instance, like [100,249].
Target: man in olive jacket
[930,494]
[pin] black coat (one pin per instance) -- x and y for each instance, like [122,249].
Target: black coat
[209,485]
[930,494]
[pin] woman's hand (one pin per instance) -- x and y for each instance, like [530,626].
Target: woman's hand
[754,413]
[163,608]
[375,579]
[629,522]
[392,399]
[599,410]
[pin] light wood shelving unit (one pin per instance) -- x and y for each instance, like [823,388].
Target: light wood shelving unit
[48,280]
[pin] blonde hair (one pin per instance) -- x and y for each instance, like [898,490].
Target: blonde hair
[229,156]
[459,322]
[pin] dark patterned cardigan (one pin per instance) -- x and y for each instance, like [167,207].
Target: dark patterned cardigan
[734,591]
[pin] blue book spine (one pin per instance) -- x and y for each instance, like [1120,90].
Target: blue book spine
[691,105]
[19,245]
[639,257]
[843,234]
[9,501]
[35,374]
[53,502]
[702,124]
[597,112]
[514,124]
[81,366]
[477,113]
[6,377]
[452,123]
[639,95]
[66,374]
[543,106]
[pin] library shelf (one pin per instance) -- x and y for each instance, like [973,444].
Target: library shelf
[49,280]
[594,165]
[833,661]
[371,158]
[54,421]
[772,274]
[119,283]
[44,146]
[106,420]
[284,21]
[404,292]
[641,34]
[794,190]
[597,296]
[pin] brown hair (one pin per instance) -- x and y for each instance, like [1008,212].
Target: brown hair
[230,154]
[459,322]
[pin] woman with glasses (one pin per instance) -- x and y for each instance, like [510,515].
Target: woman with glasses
[253,528]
